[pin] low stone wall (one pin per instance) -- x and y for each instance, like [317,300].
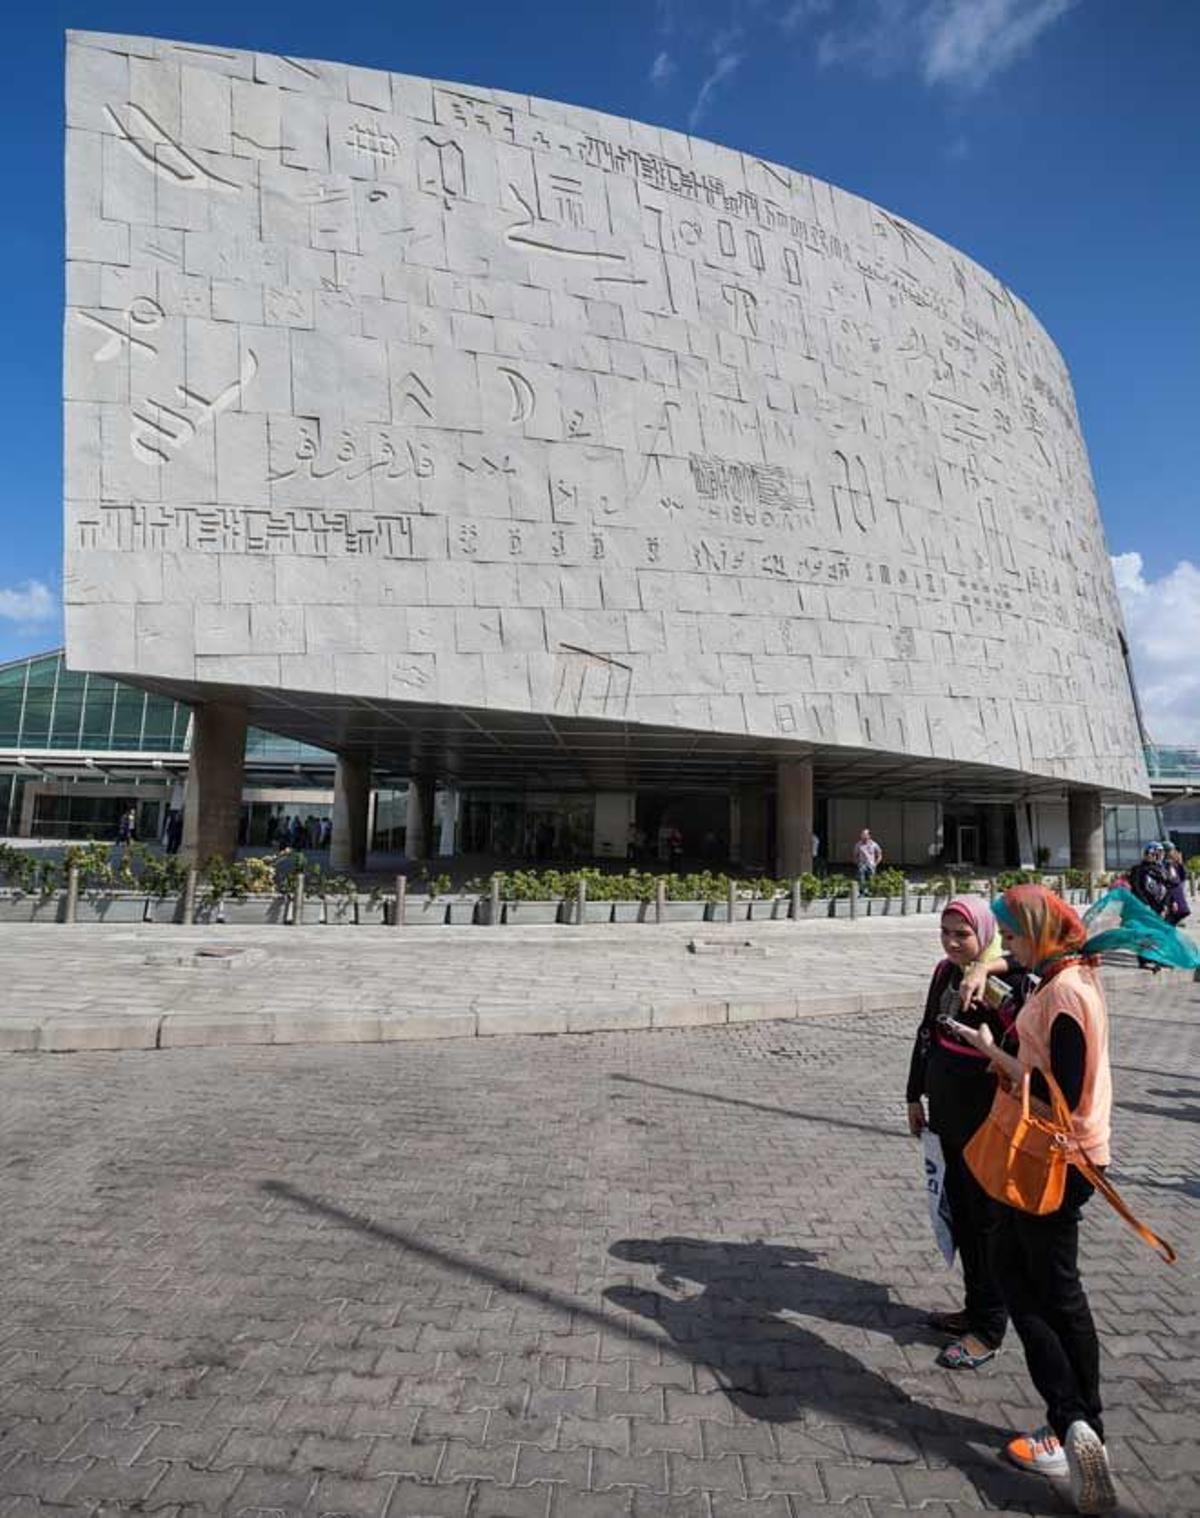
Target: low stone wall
[456,911]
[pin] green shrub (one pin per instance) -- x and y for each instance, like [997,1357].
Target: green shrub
[1006,879]
[1192,865]
[888,883]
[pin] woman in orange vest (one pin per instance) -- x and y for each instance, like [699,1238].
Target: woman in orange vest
[1062,1028]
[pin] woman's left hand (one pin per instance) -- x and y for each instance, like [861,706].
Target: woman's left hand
[979,1038]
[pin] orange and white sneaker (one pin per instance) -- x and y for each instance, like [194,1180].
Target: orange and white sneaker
[1040,1453]
[1087,1465]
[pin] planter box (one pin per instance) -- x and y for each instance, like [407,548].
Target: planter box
[767,911]
[164,909]
[526,912]
[20,906]
[681,911]
[886,906]
[839,906]
[630,911]
[421,912]
[114,908]
[373,914]
[312,911]
[341,910]
[593,911]
[718,911]
[257,909]
[462,910]
[817,906]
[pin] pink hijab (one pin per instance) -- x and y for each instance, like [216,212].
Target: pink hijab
[979,914]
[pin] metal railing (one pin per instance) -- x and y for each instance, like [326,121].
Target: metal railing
[1172,762]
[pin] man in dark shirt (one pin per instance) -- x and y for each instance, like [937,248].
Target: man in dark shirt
[1148,880]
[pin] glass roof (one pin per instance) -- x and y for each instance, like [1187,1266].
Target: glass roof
[44,706]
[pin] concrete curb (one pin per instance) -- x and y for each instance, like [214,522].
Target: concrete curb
[183,1030]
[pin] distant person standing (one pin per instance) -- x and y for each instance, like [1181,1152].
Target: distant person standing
[867,858]
[1148,880]
[127,827]
[1178,906]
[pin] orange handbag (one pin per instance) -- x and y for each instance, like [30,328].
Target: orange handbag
[1020,1158]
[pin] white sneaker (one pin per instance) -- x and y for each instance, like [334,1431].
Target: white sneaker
[1039,1453]
[1092,1488]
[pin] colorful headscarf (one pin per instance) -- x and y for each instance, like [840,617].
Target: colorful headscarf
[1054,929]
[982,919]
[1118,921]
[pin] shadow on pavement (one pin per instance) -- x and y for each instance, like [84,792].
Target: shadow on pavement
[771,1368]
[825,1119]
[1183,1112]
[778,1371]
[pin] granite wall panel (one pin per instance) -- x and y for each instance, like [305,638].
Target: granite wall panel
[412,390]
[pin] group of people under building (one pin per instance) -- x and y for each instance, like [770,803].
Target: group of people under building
[1017,998]
[1160,880]
[285,832]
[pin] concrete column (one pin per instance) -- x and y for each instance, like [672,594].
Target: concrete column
[1085,821]
[793,818]
[213,806]
[994,818]
[418,830]
[351,804]
[752,812]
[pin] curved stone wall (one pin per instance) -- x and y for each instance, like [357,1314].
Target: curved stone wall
[422,392]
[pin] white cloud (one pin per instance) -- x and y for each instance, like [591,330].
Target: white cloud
[662,68]
[800,12]
[952,42]
[973,39]
[29,605]
[727,60]
[1162,620]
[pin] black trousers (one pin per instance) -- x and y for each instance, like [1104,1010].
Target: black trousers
[1036,1260]
[974,1218]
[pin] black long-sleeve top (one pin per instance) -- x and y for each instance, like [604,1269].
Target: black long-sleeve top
[956,1079]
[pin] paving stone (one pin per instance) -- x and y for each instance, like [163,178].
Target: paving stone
[345,1497]
[494,1194]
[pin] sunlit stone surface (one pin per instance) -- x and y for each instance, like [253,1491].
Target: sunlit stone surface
[385,388]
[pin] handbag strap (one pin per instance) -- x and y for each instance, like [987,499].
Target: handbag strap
[1059,1124]
[1062,1126]
[1115,1200]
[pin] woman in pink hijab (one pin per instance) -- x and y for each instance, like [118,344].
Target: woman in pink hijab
[950,1089]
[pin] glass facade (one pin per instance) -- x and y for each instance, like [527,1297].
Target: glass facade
[47,709]
[44,705]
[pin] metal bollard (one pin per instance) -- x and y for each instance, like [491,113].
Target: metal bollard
[401,906]
[298,899]
[953,887]
[71,906]
[581,900]
[853,899]
[905,904]
[494,902]
[732,895]
[660,900]
[795,903]
[189,896]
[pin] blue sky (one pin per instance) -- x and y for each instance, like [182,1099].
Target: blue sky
[1056,141]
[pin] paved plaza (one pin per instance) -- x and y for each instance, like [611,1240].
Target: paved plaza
[659,1272]
[138,987]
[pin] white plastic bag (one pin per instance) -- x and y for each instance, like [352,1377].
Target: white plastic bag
[935,1188]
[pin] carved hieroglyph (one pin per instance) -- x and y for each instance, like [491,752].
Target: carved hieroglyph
[409,390]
